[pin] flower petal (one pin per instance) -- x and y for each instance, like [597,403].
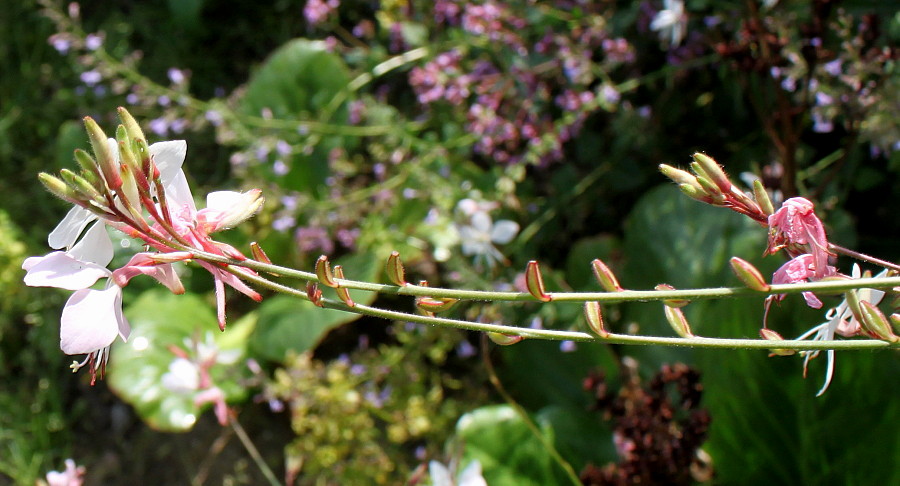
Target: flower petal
[60,270]
[71,226]
[178,194]
[143,263]
[91,320]
[504,231]
[95,246]
[168,157]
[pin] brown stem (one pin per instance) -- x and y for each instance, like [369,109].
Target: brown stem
[863,257]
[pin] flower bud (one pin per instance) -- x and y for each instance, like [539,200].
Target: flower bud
[395,271]
[749,275]
[678,322]
[244,206]
[342,292]
[713,171]
[504,339]
[709,187]
[131,125]
[671,302]
[875,323]
[534,281]
[694,192]
[105,159]
[762,198]
[679,176]
[770,335]
[895,320]
[86,191]
[605,276]
[87,163]
[594,317]
[314,294]
[57,187]
[323,272]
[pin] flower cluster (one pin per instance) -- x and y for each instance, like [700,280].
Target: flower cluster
[520,121]
[797,230]
[141,191]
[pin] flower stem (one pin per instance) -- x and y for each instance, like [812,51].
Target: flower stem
[561,335]
[863,257]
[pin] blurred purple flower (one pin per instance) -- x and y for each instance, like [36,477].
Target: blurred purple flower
[93,42]
[91,77]
[313,238]
[61,42]
[176,76]
[318,11]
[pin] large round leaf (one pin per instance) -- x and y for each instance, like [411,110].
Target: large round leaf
[298,82]
[159,321]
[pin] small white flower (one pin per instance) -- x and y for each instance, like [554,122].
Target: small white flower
[670,22]
[840,320]
[481,233]
[470,476]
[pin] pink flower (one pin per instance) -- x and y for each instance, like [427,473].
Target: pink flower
[72,476]
[801,269]
[796,228]
[224,209]
[91,319]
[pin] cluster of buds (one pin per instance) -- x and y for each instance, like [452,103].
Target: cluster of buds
[140,190]
[710,184]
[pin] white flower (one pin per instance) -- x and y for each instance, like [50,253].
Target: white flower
[470,476]
[481,233]
[168,157]
[840,320]
[671,22]
[91,319]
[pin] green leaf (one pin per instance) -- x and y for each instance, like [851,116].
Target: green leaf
[288,324]
[508,451]
[161,320]
[298,82]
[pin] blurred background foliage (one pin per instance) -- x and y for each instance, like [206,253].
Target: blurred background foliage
[396,125]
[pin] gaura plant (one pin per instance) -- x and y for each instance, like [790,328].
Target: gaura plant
[141,191]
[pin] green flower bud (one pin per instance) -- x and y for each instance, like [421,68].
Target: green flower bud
[131,125]
[105,159]
[749,275]
[713,171]
[605,276]
[762,198]
[57,187]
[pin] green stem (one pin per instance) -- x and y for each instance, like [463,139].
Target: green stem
[559,335]
[523,414]
[253,451]
[826,286]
